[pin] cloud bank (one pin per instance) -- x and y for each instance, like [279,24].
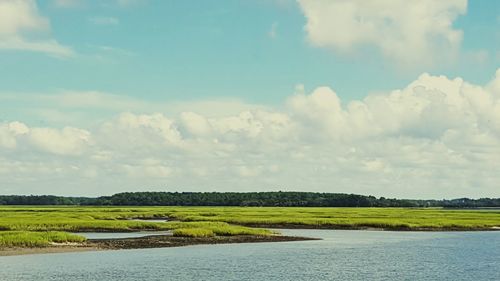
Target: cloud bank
[437,137]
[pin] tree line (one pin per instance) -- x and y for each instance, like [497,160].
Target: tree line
[263,199]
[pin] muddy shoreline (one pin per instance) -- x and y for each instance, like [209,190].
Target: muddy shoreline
[163,241]
[148,242]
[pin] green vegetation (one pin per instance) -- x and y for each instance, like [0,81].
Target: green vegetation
[193,232]
[35,226]
[84,219]
[387,218]
[218,228]
[36,239]
[260,199]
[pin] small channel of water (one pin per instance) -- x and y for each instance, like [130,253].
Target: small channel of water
[117,235]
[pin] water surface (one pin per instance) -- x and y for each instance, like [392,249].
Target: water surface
[114,235]
[342,255]
[150,220]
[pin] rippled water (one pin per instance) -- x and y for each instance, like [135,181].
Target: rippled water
[342,255]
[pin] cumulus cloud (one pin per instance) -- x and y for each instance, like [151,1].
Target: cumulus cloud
[407,32]
[9,133]
[19,19]
[437,137]
[68,141]
[195,124]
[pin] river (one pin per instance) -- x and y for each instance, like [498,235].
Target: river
[341,255]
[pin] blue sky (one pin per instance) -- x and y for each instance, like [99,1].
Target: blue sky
[171,50]
[390,98]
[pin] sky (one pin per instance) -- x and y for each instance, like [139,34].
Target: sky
[389,98]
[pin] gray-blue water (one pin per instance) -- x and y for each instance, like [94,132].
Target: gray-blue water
[112,235]
[342,255]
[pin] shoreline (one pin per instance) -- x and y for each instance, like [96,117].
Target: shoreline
[166,241]
[149,242]
[17,251]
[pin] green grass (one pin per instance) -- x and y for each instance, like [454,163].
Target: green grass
[26,222]
[388,218]
[192,221]
[36,239]
[219,228]
[193,232]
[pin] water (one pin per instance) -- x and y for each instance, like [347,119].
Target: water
[342,255]
[150,220]
[113,235]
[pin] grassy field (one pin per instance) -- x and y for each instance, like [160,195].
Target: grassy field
[37,224]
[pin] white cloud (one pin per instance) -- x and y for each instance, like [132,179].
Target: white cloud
[68,141]
[407,32]
[9,133]
[138,130]
[437,137]
[195,125]
[49,46]
[20,17]
[17,15]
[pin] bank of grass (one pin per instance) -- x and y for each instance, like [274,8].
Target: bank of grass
[36,239]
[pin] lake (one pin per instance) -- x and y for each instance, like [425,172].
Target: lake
[342,255]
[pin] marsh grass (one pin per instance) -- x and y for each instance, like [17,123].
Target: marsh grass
[193,232]
[217,228]
[36,239]
[30,225]
[235,220]
[387,218]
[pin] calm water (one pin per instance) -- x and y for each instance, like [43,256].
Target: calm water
[342,255]
[110,235]
[150,220]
